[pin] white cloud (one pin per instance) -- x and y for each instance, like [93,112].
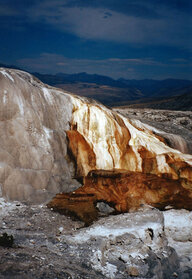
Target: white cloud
[92,23]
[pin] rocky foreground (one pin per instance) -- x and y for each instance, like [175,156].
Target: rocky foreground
[132,245]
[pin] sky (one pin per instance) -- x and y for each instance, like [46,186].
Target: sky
[132,39]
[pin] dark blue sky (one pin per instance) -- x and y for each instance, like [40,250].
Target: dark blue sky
[134,39]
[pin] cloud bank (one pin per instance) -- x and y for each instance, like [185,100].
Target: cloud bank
[99,23]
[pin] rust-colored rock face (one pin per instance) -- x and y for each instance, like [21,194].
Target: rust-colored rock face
[120,143]
[124,190]
[84,156]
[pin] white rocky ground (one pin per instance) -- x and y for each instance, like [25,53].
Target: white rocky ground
[178,229]
[131,245]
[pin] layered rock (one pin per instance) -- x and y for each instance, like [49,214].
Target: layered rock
[48,137]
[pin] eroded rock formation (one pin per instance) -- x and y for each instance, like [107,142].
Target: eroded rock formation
[124,191]
[124,163]
[120,143]
[48,137]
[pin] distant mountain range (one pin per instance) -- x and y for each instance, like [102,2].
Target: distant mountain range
[151,93]
[168,93]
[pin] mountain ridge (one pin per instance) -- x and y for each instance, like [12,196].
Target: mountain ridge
[116,92]
[119,92]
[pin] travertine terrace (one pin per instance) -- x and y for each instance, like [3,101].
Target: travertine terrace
[50,139]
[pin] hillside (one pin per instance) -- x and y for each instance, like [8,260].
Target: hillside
[179,102]
[119,92]
[174,94]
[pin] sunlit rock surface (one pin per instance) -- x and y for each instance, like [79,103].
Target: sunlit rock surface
[174,126]
[49,137]
[120,143]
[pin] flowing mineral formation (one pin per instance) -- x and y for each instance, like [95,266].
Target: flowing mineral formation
[123,163]
[48,137]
